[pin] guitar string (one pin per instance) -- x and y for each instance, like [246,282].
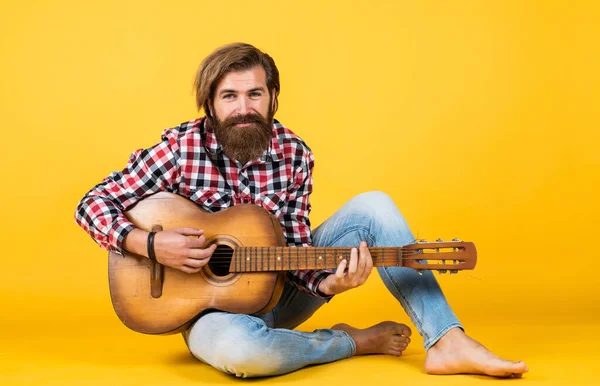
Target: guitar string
[225,260]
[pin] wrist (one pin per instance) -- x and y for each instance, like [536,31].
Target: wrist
[136,242]
[324,289]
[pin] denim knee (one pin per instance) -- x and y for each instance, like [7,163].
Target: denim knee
[235,344]
[380,210]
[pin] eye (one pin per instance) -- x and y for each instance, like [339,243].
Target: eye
[255,94]
[228,96]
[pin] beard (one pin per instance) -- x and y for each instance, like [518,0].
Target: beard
[247,143]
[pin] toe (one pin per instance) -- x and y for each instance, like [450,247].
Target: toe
[395,353]
[405,330]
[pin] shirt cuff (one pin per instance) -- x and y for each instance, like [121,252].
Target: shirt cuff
[118,232]
[318,279]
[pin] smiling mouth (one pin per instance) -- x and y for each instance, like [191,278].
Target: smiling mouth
[243,124]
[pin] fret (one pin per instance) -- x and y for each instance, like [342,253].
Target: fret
[289,256]
[334,255]
[383,256]
[290,263]
[398,256]
[297,262]
[305,261]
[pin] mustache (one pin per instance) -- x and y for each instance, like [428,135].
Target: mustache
[246,118]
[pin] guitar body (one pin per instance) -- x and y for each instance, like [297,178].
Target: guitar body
[174,299]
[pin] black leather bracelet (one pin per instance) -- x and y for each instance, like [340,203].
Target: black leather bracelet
[150,244]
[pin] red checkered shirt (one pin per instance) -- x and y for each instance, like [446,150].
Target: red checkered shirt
[191,163]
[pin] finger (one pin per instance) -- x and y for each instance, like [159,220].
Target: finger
[189,231]
[188,269]
[362,259]
[341,269]
[198,253]
[199,242]
[195,263]
[353,262]
[369,266]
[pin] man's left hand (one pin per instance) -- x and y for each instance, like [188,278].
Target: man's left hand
[359,269]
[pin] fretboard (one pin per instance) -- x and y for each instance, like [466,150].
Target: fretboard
[257,259]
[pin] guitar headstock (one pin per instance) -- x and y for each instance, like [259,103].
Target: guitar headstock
[440,255]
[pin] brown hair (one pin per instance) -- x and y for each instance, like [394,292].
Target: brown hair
[232,58]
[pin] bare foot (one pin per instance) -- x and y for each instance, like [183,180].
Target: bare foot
[456,353]
[387,338]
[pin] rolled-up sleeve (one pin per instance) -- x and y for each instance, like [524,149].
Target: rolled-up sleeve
[100,211]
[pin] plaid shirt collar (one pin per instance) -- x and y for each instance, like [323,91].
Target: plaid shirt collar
[273,153]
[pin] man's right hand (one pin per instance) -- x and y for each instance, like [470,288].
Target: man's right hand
[173,248]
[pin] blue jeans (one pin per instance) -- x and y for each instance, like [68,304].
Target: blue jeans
[264,345]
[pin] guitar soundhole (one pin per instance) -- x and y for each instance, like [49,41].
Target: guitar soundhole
[220,260]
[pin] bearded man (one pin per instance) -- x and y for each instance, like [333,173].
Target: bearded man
[239,154]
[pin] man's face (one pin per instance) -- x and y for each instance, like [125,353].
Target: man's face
[242,111]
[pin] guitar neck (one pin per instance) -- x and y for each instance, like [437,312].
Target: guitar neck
[261,259]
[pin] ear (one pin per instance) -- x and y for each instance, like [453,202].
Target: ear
[211,112]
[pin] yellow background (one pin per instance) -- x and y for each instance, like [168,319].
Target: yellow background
[479,118]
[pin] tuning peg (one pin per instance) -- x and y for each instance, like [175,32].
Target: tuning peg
[422,241]
[457,240]
[442,271]
[453,271]
[420,271]
[439,240]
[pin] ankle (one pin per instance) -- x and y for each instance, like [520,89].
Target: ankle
[450,337]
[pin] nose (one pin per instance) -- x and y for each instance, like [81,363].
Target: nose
[243,106]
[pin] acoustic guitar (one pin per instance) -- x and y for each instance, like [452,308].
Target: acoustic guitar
[246,273]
